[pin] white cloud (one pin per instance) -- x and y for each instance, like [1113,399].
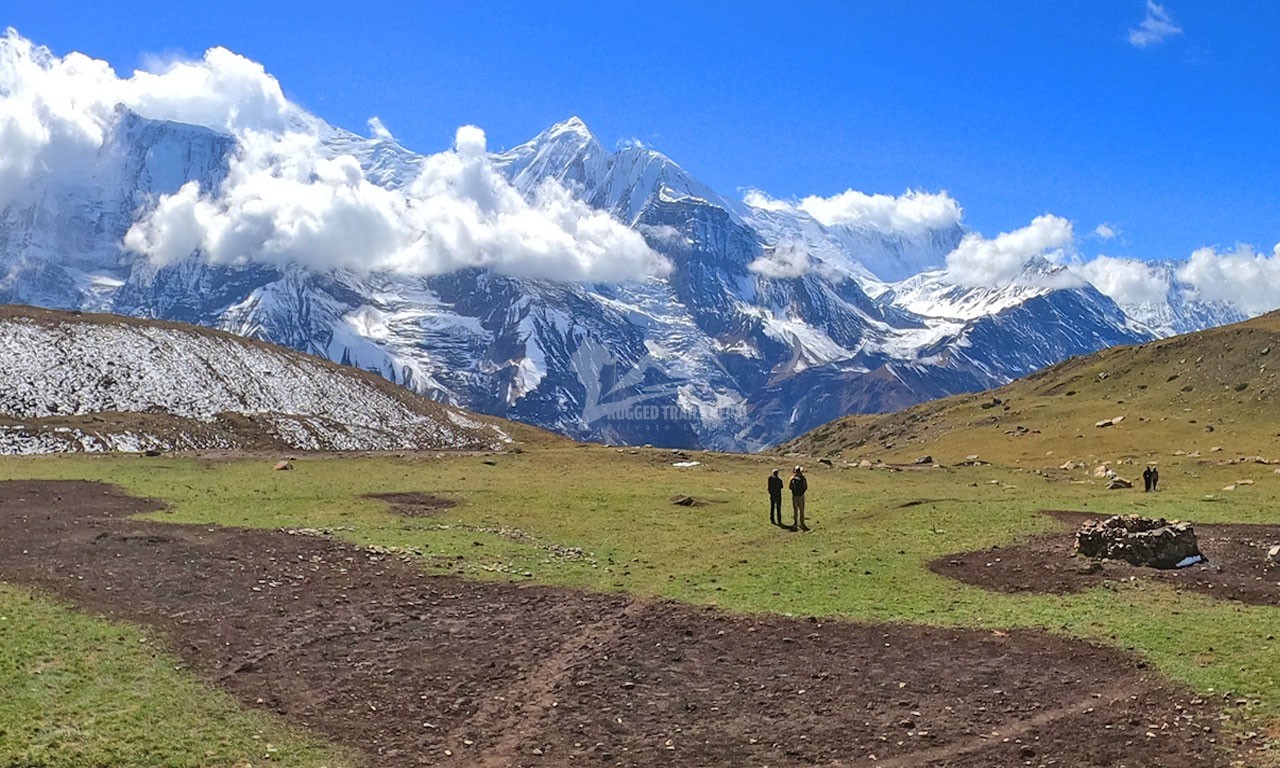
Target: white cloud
[911,213]
[784,261]
[978,261]
[758,199]
[283,202]
[378,129]
[1105,231]
[286,197]
[1244,278]
[1155,28]
[664,233]
[1126,281]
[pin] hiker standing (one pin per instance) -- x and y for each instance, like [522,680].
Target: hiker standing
[1146,480]
[798,486]
[775,499]
[1155,477]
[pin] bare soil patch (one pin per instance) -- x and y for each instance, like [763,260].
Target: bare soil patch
[414,504]
[1236,567]
[415,669]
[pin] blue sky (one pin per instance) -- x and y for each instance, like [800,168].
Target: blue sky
[1016,109]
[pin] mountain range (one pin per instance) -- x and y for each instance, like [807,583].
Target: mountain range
[768,323]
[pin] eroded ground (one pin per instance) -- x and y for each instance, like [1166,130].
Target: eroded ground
[1236,567]
[434,670]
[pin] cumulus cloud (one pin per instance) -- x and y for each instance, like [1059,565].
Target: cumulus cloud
[285,202]
[1156,27]
[909,214]
[980,261]
[378,130]
[288,198]
[1126,281]
[787,260]
[1244,278]
[1105,231]
[56,112]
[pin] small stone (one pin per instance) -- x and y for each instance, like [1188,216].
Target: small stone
[283,465]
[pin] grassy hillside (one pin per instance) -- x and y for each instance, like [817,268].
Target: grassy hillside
[1196,393]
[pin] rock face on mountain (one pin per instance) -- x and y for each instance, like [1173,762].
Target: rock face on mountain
[715,354]
[101,382]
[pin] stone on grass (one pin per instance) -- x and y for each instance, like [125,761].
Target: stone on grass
[1118,483]
[1145,541]
[283,465]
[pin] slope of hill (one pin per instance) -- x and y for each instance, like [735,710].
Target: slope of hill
[76,382]
[1205,395]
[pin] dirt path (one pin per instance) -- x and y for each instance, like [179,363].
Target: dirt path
[1236,567]
[425,670]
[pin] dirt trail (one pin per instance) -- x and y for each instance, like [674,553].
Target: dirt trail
[431,670]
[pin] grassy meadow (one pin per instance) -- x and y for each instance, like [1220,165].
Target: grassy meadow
[601,518]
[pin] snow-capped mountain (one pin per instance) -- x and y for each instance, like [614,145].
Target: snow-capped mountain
[102,382]
[1179,309]
[768,323]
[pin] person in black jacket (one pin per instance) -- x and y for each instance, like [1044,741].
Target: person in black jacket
[798,487]
[775,499]
[1146,480]
[1155,478]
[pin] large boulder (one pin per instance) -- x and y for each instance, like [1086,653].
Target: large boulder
[1137,540]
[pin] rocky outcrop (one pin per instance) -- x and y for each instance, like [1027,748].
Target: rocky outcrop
[1137,540]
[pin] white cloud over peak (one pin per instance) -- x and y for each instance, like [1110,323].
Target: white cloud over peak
[787,260]
[378,129]
[1245,278]
[287,198]
[1156,27]
[980,261]
[1126,281]
[911,213]
[285,202]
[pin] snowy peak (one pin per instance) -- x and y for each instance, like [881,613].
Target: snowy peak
[566,152]
[574,126]
[622,182]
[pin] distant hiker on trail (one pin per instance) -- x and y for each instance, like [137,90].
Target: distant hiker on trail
[798,486]
[775,499]
[1146,480]
[1155,477]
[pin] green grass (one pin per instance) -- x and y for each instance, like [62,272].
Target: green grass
[865,559]
[79,691]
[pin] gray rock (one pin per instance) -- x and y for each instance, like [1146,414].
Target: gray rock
[1137,540]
